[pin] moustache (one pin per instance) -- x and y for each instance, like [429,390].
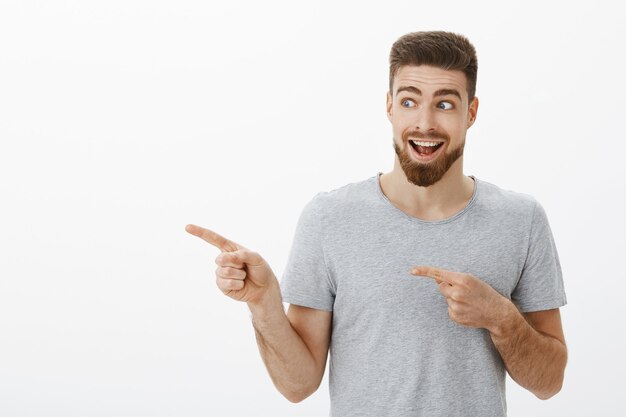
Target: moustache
[424,135]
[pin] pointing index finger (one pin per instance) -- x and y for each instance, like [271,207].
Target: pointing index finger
[437,273]
[213,238]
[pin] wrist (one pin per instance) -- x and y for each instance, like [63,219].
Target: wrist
[507,321]
[267,304]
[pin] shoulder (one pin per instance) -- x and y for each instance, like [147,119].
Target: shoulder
[341,199]
[511,203]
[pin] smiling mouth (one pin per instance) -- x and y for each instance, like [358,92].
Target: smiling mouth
[425,148]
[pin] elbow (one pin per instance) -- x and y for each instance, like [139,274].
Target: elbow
[296,396]
[557,383]
[546,395]
[298,390]
[297,393]
[551,391]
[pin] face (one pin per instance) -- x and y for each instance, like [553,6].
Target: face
[430,106]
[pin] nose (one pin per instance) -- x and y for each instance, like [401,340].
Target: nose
[425,119]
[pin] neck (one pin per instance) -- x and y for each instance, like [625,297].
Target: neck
[439,201]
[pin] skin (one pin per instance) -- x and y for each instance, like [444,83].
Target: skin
[294,345]
[531,345]
[424,114]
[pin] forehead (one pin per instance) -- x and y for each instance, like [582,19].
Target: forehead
[429,79]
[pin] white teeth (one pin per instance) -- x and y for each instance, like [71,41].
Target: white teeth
[420,143]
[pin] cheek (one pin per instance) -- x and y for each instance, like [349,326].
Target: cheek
[457,127]
[401,122]
[397,125]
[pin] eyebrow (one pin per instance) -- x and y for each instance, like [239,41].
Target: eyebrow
[438,93]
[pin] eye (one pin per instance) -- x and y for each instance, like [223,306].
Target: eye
[445,105]
[407,103]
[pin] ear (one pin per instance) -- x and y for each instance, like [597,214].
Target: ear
[472,112]
[389,106]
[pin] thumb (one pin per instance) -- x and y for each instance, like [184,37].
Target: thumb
[242,257]
[252,259]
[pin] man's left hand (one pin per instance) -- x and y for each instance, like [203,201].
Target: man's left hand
[471,301]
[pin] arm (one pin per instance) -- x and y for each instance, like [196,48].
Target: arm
[533,349]
[532,345]
[294,347]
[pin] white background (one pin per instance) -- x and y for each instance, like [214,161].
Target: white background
[122,121]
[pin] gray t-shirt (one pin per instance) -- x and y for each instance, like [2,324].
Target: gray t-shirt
[394,350]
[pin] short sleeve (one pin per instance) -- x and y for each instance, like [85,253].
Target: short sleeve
[305,280]
[540,286]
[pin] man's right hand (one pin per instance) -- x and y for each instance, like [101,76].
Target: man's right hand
[294,346]
[241,274]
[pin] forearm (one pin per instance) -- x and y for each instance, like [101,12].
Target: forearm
[288,360]
[534,360]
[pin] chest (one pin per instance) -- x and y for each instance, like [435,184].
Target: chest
[373,269]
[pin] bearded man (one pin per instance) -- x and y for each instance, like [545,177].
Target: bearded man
[425,285]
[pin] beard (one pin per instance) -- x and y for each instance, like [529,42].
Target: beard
[425,175]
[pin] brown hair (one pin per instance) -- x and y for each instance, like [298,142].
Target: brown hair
[446,50]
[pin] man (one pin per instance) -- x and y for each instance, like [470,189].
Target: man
[426,284]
